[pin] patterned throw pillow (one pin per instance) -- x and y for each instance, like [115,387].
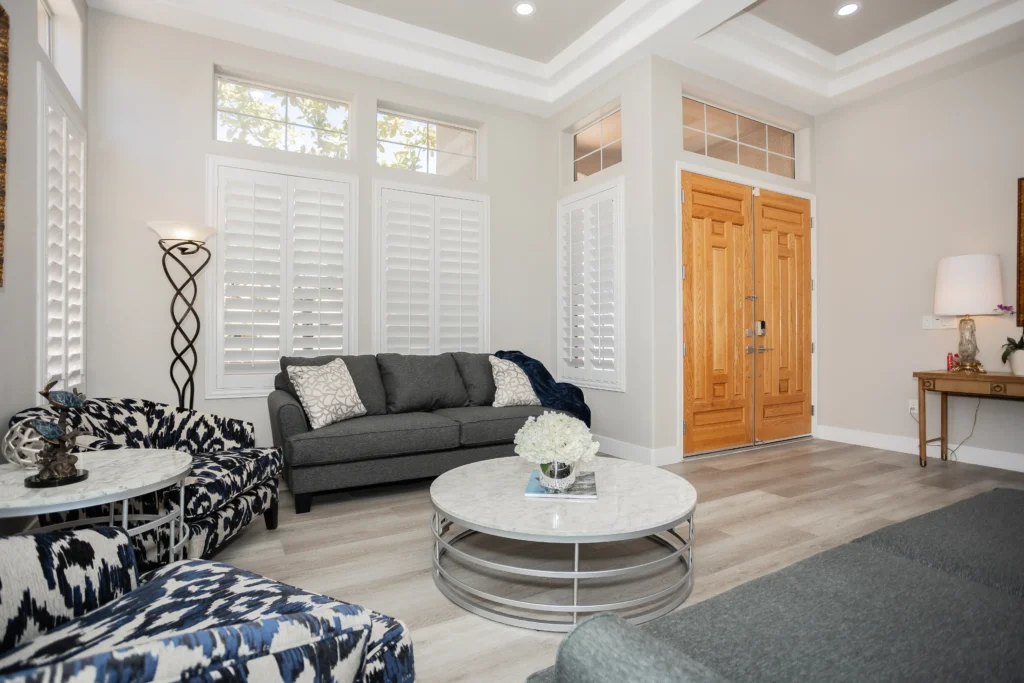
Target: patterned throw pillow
[512,386]
[327,392]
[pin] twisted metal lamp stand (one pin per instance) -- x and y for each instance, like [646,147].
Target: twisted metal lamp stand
[183,342]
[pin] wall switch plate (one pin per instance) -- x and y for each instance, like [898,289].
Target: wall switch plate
[938,322]
[913,407]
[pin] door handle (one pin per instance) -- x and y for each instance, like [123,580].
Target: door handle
[761,349]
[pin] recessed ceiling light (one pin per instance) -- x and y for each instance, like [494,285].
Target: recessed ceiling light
[847,9]
[525,9]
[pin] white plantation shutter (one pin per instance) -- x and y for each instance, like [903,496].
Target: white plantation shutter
[319,217]
[282,258]
[459,227]
[407,231]
[64,247]
[590,277]
[433,273]
[251,221]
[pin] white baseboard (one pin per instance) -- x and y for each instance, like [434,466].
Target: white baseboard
[907,444]
[648,456]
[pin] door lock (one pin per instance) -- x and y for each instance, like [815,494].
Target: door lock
[750,349]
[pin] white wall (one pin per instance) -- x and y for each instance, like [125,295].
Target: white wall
[151,129]
[925,172]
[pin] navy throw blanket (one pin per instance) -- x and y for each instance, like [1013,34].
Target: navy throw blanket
[552,394]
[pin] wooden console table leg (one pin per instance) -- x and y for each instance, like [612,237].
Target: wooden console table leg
[922,431]
[945,429]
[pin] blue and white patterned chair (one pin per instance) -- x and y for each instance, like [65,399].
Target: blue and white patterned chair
[231,483]
[73,607]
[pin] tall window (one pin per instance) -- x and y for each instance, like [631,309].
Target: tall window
[44,25]
[598,146]
[284,280]
[740,140]
[63,284]
[425,146]
[590,253]
[432,279]
[262,116]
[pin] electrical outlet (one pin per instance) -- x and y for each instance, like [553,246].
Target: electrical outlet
[913,407]
[938,322]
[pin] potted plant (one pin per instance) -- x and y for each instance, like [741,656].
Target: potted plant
[558,443]
[1013,349]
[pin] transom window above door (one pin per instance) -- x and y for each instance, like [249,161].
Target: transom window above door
[426,146]
[731,137]
[264,116]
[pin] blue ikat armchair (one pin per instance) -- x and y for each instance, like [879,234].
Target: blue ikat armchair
[74,607]
[232,482]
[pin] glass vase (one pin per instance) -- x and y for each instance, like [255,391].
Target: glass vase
[557,476]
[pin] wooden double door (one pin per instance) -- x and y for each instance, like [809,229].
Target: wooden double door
[746,315]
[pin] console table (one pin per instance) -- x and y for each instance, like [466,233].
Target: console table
[999,385]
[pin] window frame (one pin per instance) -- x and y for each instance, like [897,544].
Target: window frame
[48,49]
[600,150]
[215,313]
[437,122]
[739,144]
[377,269]
[617,188]
[256,83]
[48,90]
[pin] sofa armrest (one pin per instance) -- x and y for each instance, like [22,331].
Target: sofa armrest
[48,579]
[287,418]
[606,649]
[194,432]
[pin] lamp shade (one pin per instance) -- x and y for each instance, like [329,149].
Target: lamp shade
[968,285]
[181,231]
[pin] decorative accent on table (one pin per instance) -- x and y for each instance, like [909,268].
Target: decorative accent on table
[559,444]
[5,36]
[58,466]
[965,286]
[1013,349]
[179,239]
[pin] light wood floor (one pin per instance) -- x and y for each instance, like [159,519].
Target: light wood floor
[757,512]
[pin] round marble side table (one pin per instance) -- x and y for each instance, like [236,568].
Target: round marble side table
[486,531]
[115,477]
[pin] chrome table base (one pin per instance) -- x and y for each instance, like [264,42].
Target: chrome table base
[535,615]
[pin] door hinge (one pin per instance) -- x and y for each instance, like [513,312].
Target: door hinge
[684,272]
[812,284]
[684,426]
[682,196]
[684,349]
[812,224]
[812,410]
[812,347]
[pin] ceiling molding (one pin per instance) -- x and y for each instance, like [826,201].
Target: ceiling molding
[709,36]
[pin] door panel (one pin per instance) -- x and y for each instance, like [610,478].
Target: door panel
[717,393]
[782,255]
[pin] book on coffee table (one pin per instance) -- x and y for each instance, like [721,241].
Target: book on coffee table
[585,488]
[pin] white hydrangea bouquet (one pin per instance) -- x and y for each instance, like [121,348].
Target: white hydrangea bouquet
[558,443]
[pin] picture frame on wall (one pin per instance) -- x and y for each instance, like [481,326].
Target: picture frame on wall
[5,34]
[1020,252]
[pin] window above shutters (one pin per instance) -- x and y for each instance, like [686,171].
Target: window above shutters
[590,307]
[284,277]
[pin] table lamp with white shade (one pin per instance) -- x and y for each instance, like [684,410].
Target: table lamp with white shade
[966,286]
[185,257]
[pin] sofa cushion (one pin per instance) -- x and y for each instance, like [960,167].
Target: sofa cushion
[421,383]
[362,368]
[373,436]
[480,425]
[218,478]
[476,374]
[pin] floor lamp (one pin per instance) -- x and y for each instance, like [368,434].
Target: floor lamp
[180,243]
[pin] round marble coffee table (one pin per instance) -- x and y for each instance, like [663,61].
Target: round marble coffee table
[636,503]
[114,477]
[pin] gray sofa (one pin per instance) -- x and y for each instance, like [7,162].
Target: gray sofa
[936,598]
[424,416]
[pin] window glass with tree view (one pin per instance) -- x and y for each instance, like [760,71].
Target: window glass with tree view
[425,146]
[263,116]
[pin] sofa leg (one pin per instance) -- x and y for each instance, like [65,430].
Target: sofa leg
[303,502]
[270,516]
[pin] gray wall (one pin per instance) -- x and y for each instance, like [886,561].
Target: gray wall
[903,180]
[151,129]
